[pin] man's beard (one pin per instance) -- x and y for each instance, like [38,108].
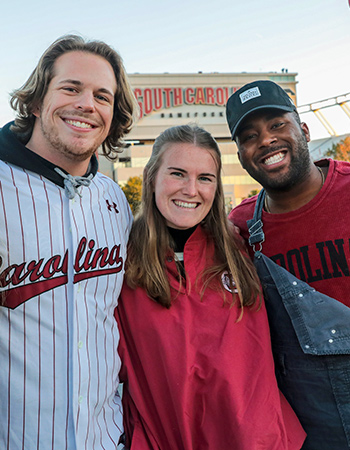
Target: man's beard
[69,151]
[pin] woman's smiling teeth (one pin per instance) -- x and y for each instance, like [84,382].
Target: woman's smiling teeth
[77,123]
[274,159]
[185,204]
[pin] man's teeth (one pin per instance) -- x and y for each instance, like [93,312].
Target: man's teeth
[77,123]
[185,204]
[274,159]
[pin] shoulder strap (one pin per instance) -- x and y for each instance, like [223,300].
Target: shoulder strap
[255,224]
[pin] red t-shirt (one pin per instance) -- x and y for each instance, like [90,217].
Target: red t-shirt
[195,378]
[313,242]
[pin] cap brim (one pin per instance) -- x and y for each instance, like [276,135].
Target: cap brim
[281,108]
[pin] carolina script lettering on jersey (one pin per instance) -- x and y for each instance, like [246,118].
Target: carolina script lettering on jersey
[89,262]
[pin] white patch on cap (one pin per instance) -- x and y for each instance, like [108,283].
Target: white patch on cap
[249,94]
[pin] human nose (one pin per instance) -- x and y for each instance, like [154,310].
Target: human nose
[267,138]
[190,187]
[85,101]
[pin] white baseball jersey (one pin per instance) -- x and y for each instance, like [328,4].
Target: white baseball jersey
[61,270]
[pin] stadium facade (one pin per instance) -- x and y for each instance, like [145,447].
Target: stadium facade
[168,99]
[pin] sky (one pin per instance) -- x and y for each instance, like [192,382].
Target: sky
[309,37]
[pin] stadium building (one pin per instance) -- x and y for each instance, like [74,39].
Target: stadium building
[167,99]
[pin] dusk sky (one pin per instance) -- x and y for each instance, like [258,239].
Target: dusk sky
[309,37]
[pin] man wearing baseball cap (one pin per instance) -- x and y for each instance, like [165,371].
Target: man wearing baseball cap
[298,230]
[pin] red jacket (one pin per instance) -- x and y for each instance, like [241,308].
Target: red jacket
[196,379]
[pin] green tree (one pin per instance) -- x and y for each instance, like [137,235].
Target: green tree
[340,151]
[132,190]
[252,193]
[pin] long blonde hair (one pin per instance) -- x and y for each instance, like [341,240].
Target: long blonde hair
[150,240]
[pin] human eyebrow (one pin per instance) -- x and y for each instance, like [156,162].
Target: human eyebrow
[68,80]
[177,169]
[245,127]
[105,91]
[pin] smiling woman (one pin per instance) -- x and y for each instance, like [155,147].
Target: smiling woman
[189,353]
[185,185]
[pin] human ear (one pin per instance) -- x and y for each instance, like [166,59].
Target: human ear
[306,131]
[36,111]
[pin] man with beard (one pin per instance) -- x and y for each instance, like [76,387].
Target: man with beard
[63,234]
[298,231]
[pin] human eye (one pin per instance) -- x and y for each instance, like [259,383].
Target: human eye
[103,98]
[69,89]
[206,179]
[176,173]
[277,124]
[247,137]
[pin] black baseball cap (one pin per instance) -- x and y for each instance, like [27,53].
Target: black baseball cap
[253,96]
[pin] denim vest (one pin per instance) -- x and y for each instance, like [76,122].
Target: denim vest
[310,335]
